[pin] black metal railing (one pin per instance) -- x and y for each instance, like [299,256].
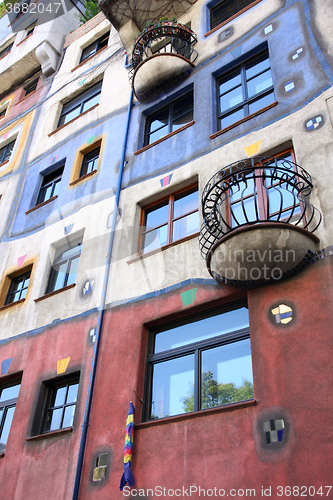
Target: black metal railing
[253,191]
[164,37]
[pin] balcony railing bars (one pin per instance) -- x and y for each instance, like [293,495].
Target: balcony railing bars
[253,191]
[164,37]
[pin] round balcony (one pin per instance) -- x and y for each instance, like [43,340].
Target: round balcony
[163,56]
[258,222]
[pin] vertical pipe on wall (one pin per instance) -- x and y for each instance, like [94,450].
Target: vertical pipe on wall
[100,317]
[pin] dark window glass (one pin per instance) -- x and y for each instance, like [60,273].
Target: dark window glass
[31,88]
[226,9]
[8,397]
[169,118]
[90,161]
[80,104]
[30,29]
[200,364]
[61,406]
[64,269]
[244,90]
[6,151]
[7,49]
[95,47]
[170,219]
[50,185]
[3,113]
[18,288]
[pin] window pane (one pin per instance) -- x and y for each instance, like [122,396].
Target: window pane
[70,116]
[172,383]
[161,119]
[72,393]
[155,239]
[259,83]
[202,329]
[257,66]
[88,51]
[158,216]
[231,81]
[238,216]
[261,103]
[74,264]
[54,420]
[90,103]
[60,396]
[6,427]
[226,375]
[10,392]
[185,204]
[222,12]
[182,112]
[232,118]
[59,277]
[68,416]
[231,99]
[185,226]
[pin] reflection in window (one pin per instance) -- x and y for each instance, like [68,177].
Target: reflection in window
[80,104]
[61,409]
[6,151]
[18,288]
[226,9]
[95,46]
[8,398]
[90,161]
[64,269]
[171,219]
[50,185]
[201,364]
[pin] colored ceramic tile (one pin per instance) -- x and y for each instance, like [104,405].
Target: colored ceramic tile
[5,366]
[62,365]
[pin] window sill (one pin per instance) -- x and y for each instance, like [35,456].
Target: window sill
[47,295]
[243,120]
[4,163]
[12,304]
[164,138]
[25,97]
[89,58]
[24,39]
[161,249]
[232,18]
[50,434]
[41,204]
[196,414]
[86,176]
[5,55]
[71,121]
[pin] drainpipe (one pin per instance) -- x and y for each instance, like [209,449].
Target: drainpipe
[93,367]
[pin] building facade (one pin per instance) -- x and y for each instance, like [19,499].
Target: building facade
[166,239]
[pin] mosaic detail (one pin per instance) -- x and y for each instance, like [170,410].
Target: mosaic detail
[82,82]
[5,365]
[53,159]
[92,336]
[283,314]
[91,139]
[21,260]
[268,29]
[62,365]
[188,297]
[289,86]
[166,180]
[5,136]
[236,53]
[297,53]
[273,430]
[253,149]
[68,229]
[314,122]
[87,287]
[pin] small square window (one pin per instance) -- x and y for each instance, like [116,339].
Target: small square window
[220,13]
[244,90]
[169,118]
[61,404]
[3,113]
[64,268]
[30,88]
[8,398]
[6,50]
[18,288]
[50,185]
[80,104]
[95,46]
[171,219]
[6,151]
[201,363]
[30,29]
[90,161]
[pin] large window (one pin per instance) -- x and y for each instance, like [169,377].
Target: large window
[60,404]
[95,46]
[169,119]
[64,269]
[80,104]
[226,9]
[245,90]
[8,397]
[18,288]
[170,219]
[6,151]
[50,185]
[203,363]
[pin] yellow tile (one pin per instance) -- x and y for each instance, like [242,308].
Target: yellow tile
[253,149]
[62,365]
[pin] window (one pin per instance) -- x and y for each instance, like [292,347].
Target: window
[170,219]
[6,50]
[80,104]
[18,288]
[50,185]
[64,269]
[168,119]
[265,191]
[90,161]
[30,29]
[29,89]
[202,363]
[8,398]
[95,46]
[226,9]
[3,113]
[6,151]
[60,404]
[244,90]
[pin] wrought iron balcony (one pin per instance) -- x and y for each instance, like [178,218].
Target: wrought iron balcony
[258,222]
[163,55]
